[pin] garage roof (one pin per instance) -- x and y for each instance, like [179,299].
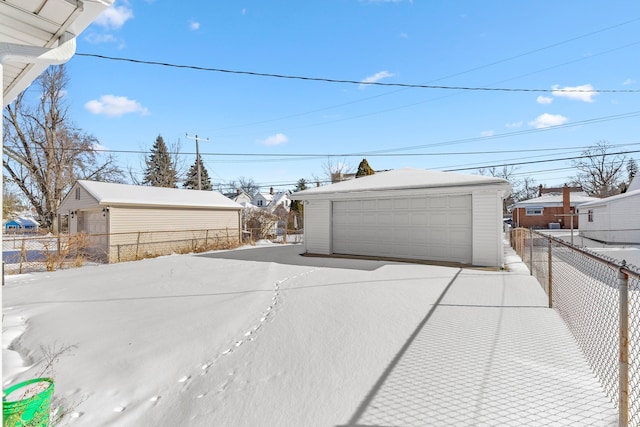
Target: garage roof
[27,26]
[403,179]
[139,195]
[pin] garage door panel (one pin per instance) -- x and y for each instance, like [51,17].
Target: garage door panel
[458,220]
[435,228]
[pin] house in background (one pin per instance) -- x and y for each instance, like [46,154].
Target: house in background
[272,200]
[410,214]
[21,225]
[615,219]
[555,209]
[127,221]
[239,197]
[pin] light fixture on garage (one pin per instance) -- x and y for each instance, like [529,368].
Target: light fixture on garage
[104,211]
[73,214]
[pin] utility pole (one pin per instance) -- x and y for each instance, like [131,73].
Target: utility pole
[198,158]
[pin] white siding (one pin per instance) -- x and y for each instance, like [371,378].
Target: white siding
[616,221]
[487,229]
[317,226]
[70,203]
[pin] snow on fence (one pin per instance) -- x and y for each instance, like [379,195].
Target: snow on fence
[599,300]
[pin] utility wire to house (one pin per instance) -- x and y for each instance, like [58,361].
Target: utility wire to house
[359,82]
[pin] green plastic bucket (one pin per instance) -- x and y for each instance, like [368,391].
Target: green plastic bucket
[27,404]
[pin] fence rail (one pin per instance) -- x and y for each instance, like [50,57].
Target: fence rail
[29,253]
[599,300]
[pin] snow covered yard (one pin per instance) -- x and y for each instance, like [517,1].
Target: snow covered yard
[264,337]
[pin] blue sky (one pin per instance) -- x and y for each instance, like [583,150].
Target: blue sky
[254,123]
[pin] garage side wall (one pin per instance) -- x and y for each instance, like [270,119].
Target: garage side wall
[317,226]
[487,229]
[135,230]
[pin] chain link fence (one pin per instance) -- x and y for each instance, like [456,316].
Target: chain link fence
[589,291]
[30,253]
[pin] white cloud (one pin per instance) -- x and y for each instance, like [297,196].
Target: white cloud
[487,133]
[547,120]
[100,147]
[276,139]
[194,26]
[544,100]
[115,106]
[578,96]
[114,17]
[628,82]
[514,124]
[95,38]
[375,78]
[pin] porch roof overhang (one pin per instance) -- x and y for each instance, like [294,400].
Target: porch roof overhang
[37,33]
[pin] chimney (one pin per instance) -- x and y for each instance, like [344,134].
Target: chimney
[540,190]
[238,191]
[271,190]
[317,183]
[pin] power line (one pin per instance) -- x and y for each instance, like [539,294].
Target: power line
[355,82]
[480,67]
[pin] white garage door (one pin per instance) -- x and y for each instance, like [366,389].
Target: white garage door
[429,228]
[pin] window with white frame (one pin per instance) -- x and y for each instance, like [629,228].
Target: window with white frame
[533,211]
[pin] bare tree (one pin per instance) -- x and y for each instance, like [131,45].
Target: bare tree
[246,185]
[45,152]
[600,172]
[521,189]
[334,170]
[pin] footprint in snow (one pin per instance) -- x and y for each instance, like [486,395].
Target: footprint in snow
[119,409]
[183,379]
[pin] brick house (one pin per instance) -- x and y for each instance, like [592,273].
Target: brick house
[552,209]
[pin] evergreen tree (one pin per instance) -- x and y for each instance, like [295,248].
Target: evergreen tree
[192,177]
[632,168]
[161,171]
[364,169]
[297,208]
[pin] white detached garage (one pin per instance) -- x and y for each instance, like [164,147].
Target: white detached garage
[408,214]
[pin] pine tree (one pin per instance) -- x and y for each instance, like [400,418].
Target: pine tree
[297,208]
[161,170]
[364,169]
[192,177]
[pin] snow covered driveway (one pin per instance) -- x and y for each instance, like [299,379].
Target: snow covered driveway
[265,337]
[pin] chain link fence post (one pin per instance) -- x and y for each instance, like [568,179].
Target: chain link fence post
[530,252]
[623,287]
[550,275]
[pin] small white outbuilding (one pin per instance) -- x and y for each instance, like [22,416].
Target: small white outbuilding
[131,221]
[408,214]
[615,219]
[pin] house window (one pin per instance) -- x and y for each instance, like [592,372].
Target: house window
[78,193]
[534,211]
[590,215]
[259,202]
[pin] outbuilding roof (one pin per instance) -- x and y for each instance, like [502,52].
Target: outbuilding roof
[628,194]
[139,195]
[402,179]
[555,200]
